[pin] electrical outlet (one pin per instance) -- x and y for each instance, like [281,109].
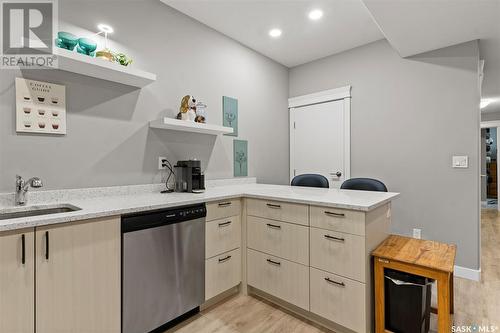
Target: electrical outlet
[160,163]
[417,233]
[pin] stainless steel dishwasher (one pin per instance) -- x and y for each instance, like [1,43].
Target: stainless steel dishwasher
[163,267]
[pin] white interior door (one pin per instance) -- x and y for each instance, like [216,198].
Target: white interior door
[319,133]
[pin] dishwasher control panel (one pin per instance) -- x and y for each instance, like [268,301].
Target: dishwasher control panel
[151,219]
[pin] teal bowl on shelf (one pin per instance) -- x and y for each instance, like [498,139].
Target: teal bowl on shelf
[86,46]
[66,40]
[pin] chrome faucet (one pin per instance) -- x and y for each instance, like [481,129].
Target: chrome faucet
[23,186]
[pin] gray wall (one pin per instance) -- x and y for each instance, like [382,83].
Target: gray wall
[490,116]
[402,113]
[108,140]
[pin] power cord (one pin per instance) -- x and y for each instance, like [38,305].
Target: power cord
[166,163]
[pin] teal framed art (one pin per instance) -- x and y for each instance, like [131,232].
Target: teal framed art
[230,114]
[240,149]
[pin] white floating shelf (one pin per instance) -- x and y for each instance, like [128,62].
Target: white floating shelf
[74,62]
[188,126]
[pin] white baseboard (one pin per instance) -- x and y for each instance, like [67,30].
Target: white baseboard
[467,273]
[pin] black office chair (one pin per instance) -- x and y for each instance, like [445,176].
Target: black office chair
[364,184]
[310,180]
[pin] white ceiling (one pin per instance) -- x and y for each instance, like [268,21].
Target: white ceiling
[345,24]
[411,26]
[417,26]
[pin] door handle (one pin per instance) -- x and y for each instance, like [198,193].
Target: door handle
[224,224]
[224,259]
[341,284]
[23,249]
[338,174]
[334,214]
[274,262]
[275,226]
[224,204]
[273,206]
[335,238]
[46,245]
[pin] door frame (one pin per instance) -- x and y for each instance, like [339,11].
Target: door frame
[343,93]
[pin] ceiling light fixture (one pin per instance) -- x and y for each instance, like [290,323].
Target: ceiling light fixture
[485,102]
[315,14]
[275,33]
[105,28]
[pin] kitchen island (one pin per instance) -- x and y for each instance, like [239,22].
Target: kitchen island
[305,249]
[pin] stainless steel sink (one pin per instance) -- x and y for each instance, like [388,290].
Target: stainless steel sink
[19,212]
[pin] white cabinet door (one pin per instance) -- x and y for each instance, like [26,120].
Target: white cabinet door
[17,281]
[78,276]
[319,136]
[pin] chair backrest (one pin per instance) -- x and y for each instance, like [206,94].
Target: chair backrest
[310,180]
[364,184]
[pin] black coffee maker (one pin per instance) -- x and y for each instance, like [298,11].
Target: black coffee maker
[188,176]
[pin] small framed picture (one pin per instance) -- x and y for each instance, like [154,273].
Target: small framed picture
[230,114]
[240,148]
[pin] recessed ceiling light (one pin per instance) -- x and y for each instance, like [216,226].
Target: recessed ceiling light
[275,33]
[105,28]
[315,14]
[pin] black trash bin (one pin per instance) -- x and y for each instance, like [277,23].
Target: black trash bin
[407,302]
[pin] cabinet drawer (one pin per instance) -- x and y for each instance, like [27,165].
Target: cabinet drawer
[339,299]
[222,235]
[285,240]
[224,208]
[339,253]
[281,211]
[343,220]
[279,277]
[222,272]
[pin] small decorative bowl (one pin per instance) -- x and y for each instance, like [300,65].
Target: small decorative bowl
[105,54]
[86,46]
[66,40]
[123,59]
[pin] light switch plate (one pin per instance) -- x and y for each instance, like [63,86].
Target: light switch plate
[460,161]
[417,233]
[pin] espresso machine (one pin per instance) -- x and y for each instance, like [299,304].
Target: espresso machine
[188,177]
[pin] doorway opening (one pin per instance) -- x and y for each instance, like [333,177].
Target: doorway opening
[489,168]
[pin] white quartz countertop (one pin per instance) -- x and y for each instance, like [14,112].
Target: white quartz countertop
[100,204]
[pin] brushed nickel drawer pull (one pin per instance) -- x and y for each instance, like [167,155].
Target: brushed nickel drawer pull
[224,204]
[23,249]
[221,260]
[335,238]
[273,206]
[341,284]
[46,245]
[274,262]
[275,226]
[224,224]
[334,214]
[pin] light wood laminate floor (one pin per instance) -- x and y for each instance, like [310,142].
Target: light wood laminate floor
[476,303]
[245,314]
[479,302]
